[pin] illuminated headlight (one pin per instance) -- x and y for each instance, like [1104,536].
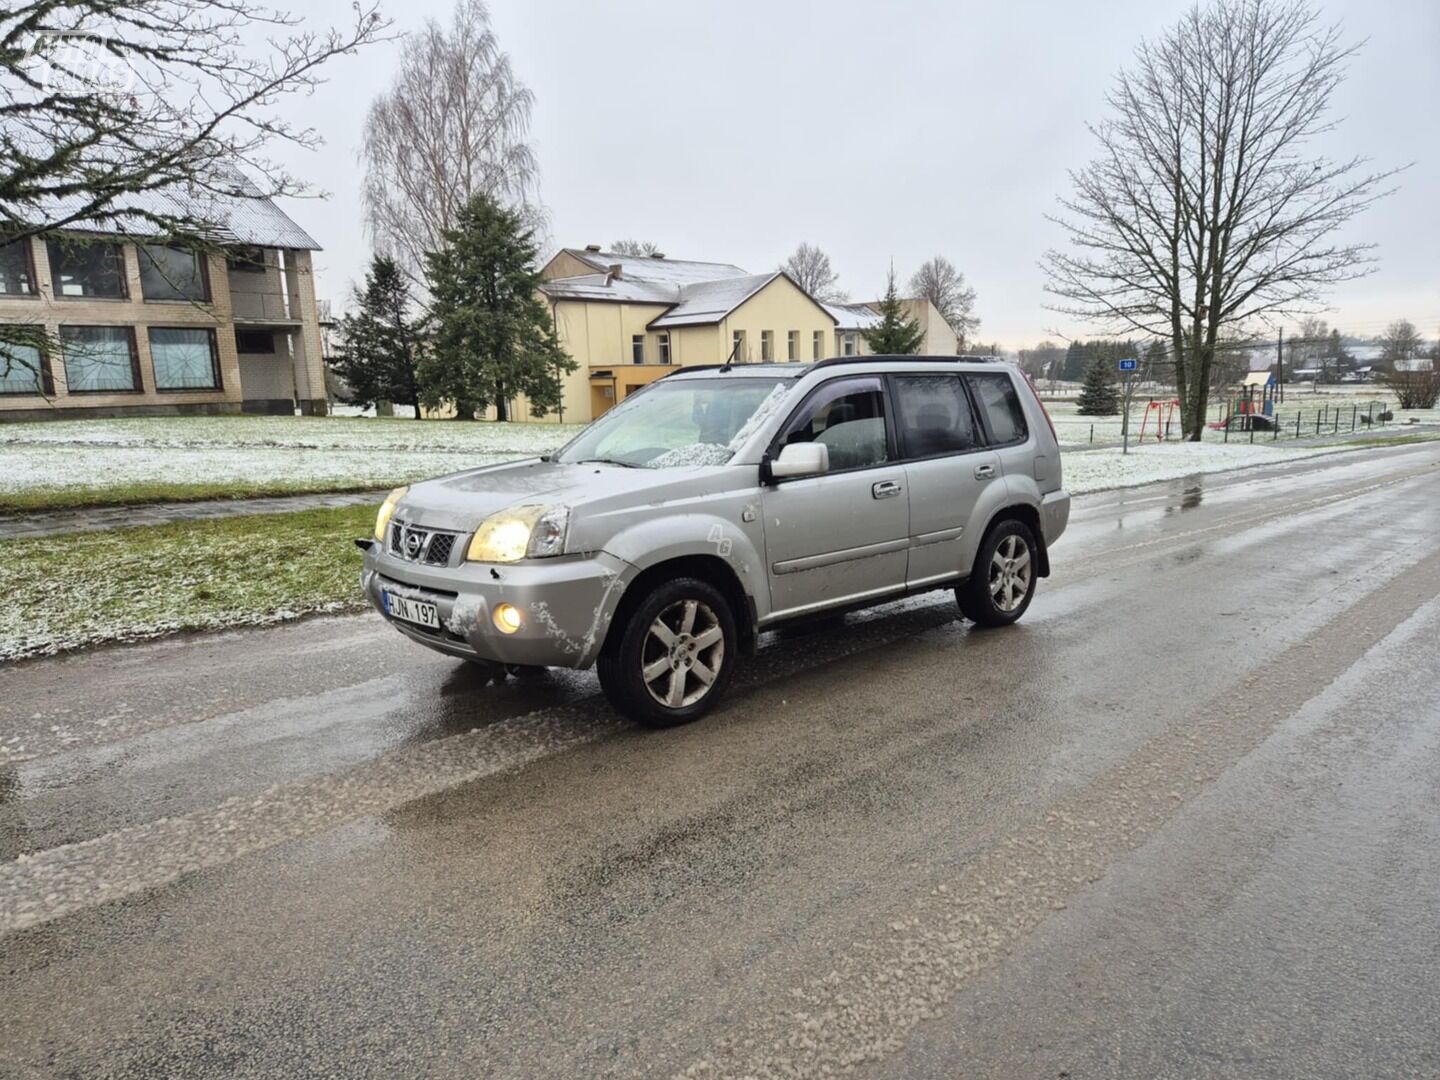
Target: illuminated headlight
[522,532]
[387,511]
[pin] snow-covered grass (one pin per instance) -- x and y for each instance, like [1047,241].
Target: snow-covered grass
[98,462]
[85,588]
[1097,470]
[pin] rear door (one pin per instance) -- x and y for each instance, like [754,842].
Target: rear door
[840,537]
[947,466]
[997,400]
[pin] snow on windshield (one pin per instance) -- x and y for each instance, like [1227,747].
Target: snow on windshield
[710,453]
[763,412]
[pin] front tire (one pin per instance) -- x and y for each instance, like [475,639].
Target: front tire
[1002,582]
[670,661]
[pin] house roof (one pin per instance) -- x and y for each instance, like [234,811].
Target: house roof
[853,316]
[696,293]
[711,301]
[240,214]
[656,269]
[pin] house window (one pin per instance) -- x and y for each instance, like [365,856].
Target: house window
[23,370]
[250,342]
[817,346]
[848,345]
[737,346]
[637,348]
[168,273]
[17,277]
[100,359]
[767,345]
[662,342]
[246,260]
[87,268]
[184,359]
[792,345]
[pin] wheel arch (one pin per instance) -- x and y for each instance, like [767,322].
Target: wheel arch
[708,568]
[1029,516]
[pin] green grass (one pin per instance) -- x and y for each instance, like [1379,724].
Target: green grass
[64,592]
[161,492]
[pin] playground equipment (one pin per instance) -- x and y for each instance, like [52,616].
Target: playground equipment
[1164,413]
[1253,408]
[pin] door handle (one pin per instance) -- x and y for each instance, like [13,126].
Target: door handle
[885,489]
[984,472]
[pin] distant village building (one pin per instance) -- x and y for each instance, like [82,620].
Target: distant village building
[631,319]
[144,329]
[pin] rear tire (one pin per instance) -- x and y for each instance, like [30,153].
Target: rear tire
[1002,581]
[671,660]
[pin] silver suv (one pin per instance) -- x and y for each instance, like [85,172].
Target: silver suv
[720,502]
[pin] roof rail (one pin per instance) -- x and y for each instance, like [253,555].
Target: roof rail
[835,361]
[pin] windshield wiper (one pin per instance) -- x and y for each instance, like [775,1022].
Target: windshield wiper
[606,461]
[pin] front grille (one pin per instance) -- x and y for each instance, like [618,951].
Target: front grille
[413,543]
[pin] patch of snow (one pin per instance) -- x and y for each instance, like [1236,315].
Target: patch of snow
[1098,470]
[694,454]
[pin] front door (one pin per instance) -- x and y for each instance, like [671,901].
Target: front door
[842,536]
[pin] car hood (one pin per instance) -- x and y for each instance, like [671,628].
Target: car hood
[463,500]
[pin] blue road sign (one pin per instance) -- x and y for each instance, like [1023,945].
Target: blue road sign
[1129,365]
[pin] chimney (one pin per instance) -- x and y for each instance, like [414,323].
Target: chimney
[613,270]
[657,255]
[592,247]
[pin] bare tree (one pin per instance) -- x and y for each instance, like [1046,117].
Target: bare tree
[454,124]
[101,100]
[938,281]
[1401,343]
[811,269]
[143,116]
[635,248]
[1206,206]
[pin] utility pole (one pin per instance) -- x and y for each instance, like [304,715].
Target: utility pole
[1280,363]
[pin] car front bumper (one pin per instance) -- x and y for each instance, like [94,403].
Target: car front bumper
[567,604]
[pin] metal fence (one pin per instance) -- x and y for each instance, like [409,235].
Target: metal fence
[1303,423]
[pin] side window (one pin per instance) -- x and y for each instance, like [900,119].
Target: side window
[935,415]
[848,416]
[996,397]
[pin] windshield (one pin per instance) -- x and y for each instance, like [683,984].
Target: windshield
[680,422]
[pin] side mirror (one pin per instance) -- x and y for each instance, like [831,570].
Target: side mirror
[801,459]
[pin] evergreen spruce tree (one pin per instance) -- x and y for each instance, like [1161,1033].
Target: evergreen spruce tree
[1074,365]
[897,334]
[382,343]
[1098,396]
[493,336]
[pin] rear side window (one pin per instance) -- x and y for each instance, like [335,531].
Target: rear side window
[934,415]
[996,397]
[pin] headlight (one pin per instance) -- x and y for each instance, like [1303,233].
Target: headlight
[387,511]
[522,532]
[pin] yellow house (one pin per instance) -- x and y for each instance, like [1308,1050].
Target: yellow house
[851,320]
[630,319]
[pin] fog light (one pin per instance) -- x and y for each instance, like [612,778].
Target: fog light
[508,618]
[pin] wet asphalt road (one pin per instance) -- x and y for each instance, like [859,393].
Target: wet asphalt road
[1182,821]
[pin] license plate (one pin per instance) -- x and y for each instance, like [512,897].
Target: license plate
[415,611]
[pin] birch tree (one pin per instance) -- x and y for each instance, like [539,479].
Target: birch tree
[454,124]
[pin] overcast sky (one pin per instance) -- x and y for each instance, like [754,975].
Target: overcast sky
[890,129]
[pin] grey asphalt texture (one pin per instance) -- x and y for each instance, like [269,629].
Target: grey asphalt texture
[1183,820]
